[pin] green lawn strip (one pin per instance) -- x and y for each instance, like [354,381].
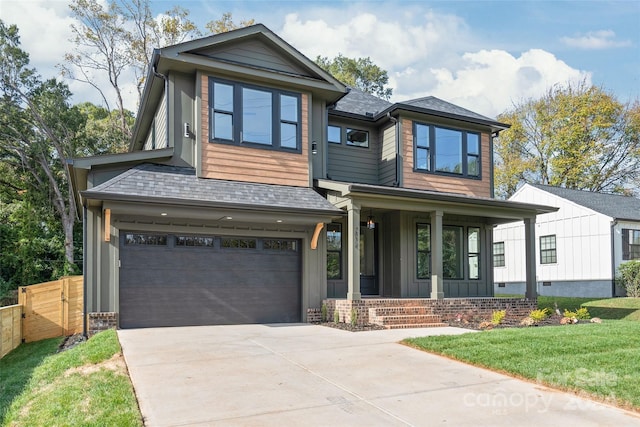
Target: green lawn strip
[609,308]
[56,394]
[599,359]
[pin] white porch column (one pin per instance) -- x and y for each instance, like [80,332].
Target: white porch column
[530,257]
[353,252]
[437,291]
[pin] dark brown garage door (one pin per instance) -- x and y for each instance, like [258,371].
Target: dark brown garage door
[181,280]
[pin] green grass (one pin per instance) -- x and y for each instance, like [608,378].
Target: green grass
[599,359]
[39,386]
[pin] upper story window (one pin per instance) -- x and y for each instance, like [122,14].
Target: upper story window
[254,115]
[334,134]
[630,244]
[357,138]
[443,150]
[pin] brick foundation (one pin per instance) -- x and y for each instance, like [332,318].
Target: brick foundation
[98,322]
[448,308]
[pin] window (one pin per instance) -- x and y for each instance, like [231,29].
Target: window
[444,150]
[452,249]
[233,243]
[358,138]
[145,239]
[280,245]
[194,241]
[630,244]
[548,249]
[423,250]
[498,254]
[334,134]
[254,115]
[334,251]
[473,242]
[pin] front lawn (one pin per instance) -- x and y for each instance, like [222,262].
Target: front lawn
[86,385]
[599,359]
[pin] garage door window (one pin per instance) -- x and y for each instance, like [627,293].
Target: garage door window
[234,243]
[195,241]
[279,245]
[145,239]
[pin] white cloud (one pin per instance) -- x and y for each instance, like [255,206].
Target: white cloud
[432,57]
[603,39]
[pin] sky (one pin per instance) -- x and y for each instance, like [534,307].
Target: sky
[486,56]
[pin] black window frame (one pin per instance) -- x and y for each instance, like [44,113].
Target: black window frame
[477,254]
[237,111]
[347,141]
[426,252]
[548,255]
[330,227]
[431,148]
[630,250]
[499,258]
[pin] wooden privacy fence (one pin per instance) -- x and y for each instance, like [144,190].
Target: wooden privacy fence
[10,331]
[51,309]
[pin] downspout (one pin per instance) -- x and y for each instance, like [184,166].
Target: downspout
[84,270]
[613,258]
[166,99]
[396,183]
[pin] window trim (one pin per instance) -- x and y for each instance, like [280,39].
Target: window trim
[499,255]
[432,151]
[478,254]
[237,113]
[427,252]
[545,253]
[629,249]
[353,129]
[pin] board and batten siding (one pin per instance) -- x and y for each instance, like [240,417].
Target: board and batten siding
[248,164]
[583,242]
[445,183]
[159,124]
[387,169]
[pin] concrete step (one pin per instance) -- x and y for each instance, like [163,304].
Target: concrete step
[417,325]
[409,319]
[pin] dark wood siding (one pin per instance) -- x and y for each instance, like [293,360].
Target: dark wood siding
[182,286]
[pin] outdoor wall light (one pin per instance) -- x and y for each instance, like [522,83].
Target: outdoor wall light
[187,131]
[314,147]
[371,224]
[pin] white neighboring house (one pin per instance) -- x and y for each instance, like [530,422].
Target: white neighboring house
[578,248]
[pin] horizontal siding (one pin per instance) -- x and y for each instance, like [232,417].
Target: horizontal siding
[433,182]
[248,164]
[353,164]
[160,125]
[254,53]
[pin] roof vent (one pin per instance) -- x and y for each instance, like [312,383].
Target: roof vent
[368,114]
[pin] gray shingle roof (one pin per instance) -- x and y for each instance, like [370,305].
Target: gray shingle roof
[359,102]
[437,104]
[180,185]
[613,205]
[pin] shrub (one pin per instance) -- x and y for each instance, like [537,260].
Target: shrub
[336,316]
[498,316]
[540,314]
[323,312]
[582,313]
[629,277]
[354,317]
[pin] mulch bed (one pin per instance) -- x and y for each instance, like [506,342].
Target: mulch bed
[351,328]
[508,322]
[71,341]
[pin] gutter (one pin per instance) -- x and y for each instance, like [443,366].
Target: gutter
[396,183]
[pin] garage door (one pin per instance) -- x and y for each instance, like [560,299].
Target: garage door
[182,280]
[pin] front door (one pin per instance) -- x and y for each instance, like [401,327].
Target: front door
[368,261]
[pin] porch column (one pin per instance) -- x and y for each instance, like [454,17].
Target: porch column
[437,291]
[353,252]
[530,257]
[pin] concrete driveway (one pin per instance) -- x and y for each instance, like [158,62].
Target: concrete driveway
[282,375]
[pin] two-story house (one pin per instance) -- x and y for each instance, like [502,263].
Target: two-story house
[258,186]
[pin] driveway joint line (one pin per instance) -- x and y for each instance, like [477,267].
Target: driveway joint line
[341,387]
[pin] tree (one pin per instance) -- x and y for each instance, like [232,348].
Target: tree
[575,136]
[360,73]
[38,131]
[226,24]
